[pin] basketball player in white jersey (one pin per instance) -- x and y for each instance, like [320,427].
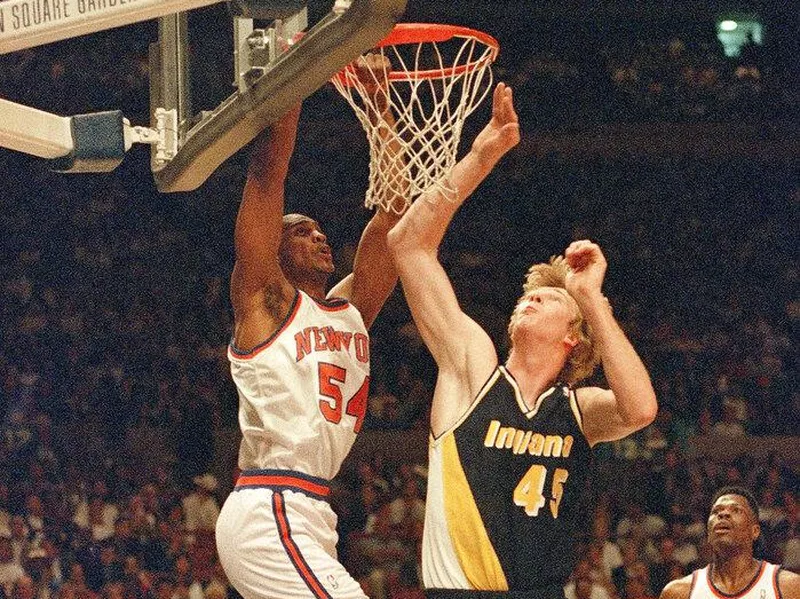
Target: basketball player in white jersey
[734,571]
[300,360]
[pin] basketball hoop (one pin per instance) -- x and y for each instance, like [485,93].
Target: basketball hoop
[439,75]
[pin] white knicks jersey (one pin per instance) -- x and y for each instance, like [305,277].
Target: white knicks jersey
[763,586]
[303,392]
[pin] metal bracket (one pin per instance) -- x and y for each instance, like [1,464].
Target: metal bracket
[167,132]
[265,10]
[341,6]
[261,47]
[139,135]
[311,60]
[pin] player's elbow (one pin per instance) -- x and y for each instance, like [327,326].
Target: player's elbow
[405,253]
[645,412]
[398,241]
[411,249]
[384,221]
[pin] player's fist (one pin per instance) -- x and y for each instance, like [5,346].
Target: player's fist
[587,266]
[373,71]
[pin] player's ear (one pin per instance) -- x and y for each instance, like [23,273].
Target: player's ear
[755,531]
[571,340]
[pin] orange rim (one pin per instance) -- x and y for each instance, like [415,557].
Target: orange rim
[414,33]
[417,33]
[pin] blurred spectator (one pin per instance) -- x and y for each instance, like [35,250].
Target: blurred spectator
[413,395]
[35,519]
[43,563]
[611,555]
[216,590]
[636,589]
[637,524]
[407,584]
[164,587]
[581,585]
[218,586]
[115,590]
[115,314]
[75,584]
[685,551]
[96,513]
[5,514]
[111,569]
[10,571]
[98,524]
[406,513]
[662,562]
[200,507]
[186,584]
[598,570]
[21,537]
[632,565]
[25,588]
[383,408]
[729,424]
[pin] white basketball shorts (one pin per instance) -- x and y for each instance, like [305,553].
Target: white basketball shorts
[276,539]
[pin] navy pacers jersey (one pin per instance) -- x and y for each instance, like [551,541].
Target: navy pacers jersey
[511,483]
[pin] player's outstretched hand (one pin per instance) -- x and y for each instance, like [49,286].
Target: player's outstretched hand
[502,132]
[587,269]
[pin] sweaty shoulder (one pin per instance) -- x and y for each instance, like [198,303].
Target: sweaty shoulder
[789,583]
[677,589]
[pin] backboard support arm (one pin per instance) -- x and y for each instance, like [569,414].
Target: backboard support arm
[269,81]
[339,38]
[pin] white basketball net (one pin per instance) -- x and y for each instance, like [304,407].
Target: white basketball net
[431,89]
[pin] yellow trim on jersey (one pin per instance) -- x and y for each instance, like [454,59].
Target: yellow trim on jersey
[467,532]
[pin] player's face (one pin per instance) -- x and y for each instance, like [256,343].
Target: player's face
[304,250]
[548,311]
[732,523]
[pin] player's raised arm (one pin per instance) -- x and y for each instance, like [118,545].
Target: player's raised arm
[631,403]
[415,242]
[260,293]
[374,276]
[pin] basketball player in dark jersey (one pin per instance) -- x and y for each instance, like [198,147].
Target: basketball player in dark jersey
[510,445]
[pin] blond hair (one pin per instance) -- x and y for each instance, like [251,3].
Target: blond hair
[585,356]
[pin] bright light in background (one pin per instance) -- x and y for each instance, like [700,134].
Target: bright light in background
[735,32]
